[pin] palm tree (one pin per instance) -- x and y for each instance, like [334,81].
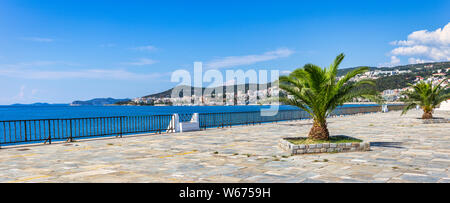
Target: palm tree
[318,92]
[426,96]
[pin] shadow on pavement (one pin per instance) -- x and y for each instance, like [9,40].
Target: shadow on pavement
[386,144]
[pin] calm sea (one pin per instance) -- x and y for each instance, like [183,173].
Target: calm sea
[49,112]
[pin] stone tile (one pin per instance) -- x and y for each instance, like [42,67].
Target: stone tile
[416,153]
[419,178]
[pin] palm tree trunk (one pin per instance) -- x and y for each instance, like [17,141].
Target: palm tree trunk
[319,131]
[427,115]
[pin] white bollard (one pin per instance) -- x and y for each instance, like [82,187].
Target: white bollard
[174,125]
[192,125]
[385,108]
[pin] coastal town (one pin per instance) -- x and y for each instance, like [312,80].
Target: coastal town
[392,95]
[240,97]
[261,95]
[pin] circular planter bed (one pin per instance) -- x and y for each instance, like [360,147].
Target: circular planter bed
[302,145]
[435,120]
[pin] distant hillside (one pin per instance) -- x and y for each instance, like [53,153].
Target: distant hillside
[402,80]
[382,83]
[168,93]
[40,104]
[98,102]
[414,68]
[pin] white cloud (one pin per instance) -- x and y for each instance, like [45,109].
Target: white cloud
[248,59]
[425,46]
[395,61]
[79,74]
[286,72]
[412,50]
[52,70]
[38,64]
[146,48]
[38,39]
[229,82]
[21,94]
[24,95]
[417,61]
[441,36]
[141,62]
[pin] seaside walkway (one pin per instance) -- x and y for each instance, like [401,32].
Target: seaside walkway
[403,150]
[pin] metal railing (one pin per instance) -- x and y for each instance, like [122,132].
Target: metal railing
[228,119]
[48,130]
[185,117]
[396,107]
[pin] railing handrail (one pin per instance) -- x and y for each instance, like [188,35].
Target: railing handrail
[255,111]
[283,110]
[36,130]
[80,118]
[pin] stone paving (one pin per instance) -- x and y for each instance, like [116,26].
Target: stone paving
[403,149]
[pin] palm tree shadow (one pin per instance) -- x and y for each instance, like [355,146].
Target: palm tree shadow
[434,118]
[299,124]
[387,144]
[345,137]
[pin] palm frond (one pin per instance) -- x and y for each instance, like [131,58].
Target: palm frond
[351,75]
[441,98]
[317,91]
[408,107]
[425,95]
[335,66]
[294,102]
[316,77]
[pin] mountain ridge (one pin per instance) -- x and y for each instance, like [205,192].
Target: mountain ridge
[98,102]
[383,83]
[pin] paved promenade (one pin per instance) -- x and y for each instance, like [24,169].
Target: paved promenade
[403,150]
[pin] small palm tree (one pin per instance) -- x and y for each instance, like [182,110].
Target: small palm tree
[426,96]
[318,92]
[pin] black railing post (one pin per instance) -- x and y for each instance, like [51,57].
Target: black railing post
[114,121]
[25,123]
[4,131]
[70,136]
[49,133]
[160,125]
[120,127]
[223,119]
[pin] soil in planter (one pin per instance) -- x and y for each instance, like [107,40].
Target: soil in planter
[333,139]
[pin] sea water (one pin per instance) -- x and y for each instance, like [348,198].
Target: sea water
[54,112]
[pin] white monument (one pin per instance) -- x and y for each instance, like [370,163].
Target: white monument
[177,126]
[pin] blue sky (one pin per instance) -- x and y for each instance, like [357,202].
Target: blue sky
[59,51]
